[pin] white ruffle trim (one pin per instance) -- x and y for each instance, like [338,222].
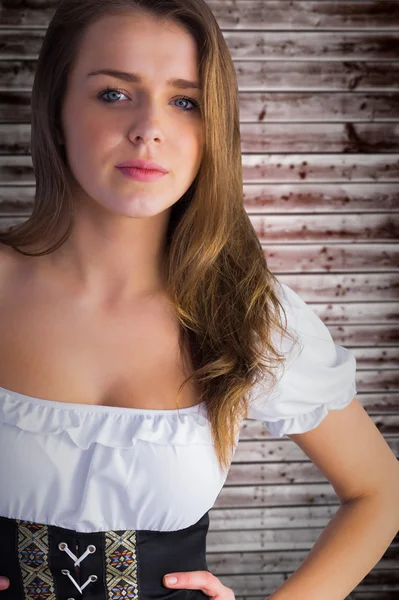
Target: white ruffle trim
[108,426]
[307,421]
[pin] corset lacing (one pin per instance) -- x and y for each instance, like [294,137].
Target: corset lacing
[89,550]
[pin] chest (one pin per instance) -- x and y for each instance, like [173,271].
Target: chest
[58,348]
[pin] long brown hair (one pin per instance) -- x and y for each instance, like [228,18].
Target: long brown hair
[218,281]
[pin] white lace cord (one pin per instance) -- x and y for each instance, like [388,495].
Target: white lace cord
[89,550]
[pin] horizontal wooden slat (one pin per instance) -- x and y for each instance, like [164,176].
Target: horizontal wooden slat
[284,450]
[315,197]
[267,540]
[318,106]
[252,429]
[371,287]
[265,107]
[263,198]
[266,168]
[333,167]
[274,474]
[315,76]
[265,473]
[251,14]
[358,257]
[316,45]
[336,15]
[266,584]
[317,228]
[368,314]
[273,495]
[318,137]
[236,563]
[270,540]
[272,137]
[319,46]
[276,518]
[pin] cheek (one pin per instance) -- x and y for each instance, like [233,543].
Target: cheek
[94,146]
[92,132]
[189,144]
[86,129]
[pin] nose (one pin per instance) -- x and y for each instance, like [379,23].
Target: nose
[146,138]
[146,130]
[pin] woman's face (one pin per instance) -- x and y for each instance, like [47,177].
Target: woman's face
[146,120]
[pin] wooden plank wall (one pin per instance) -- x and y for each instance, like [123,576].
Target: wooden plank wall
[319,99]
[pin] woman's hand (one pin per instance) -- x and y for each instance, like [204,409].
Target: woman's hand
[200,580]
[4,583]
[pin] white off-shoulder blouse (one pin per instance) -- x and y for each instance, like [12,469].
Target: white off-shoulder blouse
[101,468]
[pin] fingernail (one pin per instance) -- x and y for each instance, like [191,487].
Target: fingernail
[171,579]
[4,581]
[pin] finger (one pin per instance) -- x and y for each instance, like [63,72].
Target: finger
[196,580]
[4,583]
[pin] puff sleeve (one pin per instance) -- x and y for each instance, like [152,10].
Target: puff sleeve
[317,376]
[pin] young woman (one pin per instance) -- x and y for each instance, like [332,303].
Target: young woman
[137,278]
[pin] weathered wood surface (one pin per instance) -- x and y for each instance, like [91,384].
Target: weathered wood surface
[261,584]
[268,494]
[275,561]
[249,14]
[256,430]
[278,474]
[293,538]
[284,450]
[277,518]
[271,539]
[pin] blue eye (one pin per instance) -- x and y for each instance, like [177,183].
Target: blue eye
[108,90]
[194,102]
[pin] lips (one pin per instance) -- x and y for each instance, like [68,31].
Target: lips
[142,164]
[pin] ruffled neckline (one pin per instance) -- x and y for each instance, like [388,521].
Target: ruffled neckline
[116,427]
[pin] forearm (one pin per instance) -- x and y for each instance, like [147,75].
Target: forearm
[351,544]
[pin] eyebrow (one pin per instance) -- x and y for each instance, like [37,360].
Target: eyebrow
[134,78]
